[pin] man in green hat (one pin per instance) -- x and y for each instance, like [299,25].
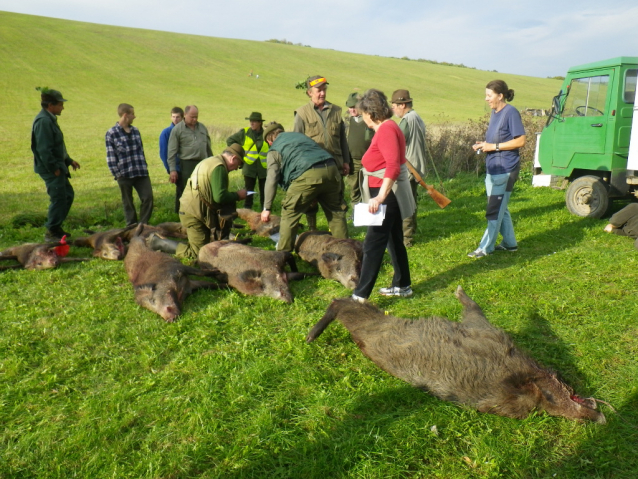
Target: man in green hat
[51,161]
[359,138]
[252,140]
[308,174]
[413,129]
[207,207]
[321,120]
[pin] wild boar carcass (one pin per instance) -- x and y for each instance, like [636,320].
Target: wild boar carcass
[161,282]
[335,258]
[471,362]
[252,271]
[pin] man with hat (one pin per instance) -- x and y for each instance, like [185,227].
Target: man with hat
[359,138]
[190,142]
[308,174]
[207,207]
[321,120]
[51,161]
[252,140]
[413,129]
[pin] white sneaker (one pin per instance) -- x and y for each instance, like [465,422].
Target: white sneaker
[396,291]
[358,299]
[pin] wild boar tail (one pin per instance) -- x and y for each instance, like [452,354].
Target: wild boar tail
[331,313]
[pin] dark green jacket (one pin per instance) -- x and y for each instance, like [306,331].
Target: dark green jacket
[298,154]
[47,144]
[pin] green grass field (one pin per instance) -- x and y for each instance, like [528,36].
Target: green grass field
[93,386]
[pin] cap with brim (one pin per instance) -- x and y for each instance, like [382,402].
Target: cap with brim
[270,127]
[401,96]
[255,116]
[352,100]
[317,81]
[52,95]
[237,149]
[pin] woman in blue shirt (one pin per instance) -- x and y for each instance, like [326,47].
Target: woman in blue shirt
[505,135]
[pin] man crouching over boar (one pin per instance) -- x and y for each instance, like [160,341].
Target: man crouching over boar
[470,362]
[207,208]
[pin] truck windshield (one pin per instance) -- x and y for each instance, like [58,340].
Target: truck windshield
[587,96]
[629,95]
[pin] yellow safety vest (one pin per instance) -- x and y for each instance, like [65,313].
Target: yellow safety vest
[252,154]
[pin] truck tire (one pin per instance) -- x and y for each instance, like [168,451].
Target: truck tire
[587,196]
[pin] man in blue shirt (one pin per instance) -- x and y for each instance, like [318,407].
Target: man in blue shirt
[177,115]
[125,158]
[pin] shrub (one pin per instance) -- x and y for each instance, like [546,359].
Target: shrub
[450,145]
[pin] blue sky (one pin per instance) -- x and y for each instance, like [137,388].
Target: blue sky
[539,38]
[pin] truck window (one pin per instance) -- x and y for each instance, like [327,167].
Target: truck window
[587,96]
[630,85]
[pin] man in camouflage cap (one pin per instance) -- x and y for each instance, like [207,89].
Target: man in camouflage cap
[321,121]
[51,161]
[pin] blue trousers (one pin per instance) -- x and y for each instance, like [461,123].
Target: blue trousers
[499,189]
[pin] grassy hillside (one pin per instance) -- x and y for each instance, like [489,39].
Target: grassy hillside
[97,67]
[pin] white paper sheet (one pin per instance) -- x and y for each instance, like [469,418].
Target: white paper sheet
[362,217]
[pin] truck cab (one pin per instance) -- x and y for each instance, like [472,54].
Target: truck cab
[587,139]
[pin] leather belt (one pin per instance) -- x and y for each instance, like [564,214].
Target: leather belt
[324,164]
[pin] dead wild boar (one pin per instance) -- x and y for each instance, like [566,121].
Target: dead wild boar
[471,362]
[38,255]
[174,229]
[161,282]
[253,219]
[171,229]
[252,271]
[106,244]
[338,259]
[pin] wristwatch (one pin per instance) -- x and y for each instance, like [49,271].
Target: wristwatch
[496,147]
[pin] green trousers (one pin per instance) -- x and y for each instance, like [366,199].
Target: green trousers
[321,184]
[199,235]
[61,197]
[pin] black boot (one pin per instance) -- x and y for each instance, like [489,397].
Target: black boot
[157,243]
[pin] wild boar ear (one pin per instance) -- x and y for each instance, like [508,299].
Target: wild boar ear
[331,258]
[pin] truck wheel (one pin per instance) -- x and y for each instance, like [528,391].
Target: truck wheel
[587,196]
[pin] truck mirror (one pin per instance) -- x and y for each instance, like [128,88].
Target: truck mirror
[555,110]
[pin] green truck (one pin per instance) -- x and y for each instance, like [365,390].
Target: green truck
[587,141]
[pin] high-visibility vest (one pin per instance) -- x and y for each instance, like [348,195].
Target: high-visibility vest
[252,154]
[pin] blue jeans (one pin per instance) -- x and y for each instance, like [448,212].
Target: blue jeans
[499,189]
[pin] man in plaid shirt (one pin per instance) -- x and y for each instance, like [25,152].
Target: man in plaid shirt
[125,158]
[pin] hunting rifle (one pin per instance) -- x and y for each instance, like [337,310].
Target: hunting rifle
[440,199]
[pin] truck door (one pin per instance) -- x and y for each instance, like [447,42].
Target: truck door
[579,139]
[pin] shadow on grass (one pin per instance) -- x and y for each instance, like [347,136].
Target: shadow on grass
[543,243]
[603,455]
[343,441]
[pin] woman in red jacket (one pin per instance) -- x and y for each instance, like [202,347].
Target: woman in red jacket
[385,181]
